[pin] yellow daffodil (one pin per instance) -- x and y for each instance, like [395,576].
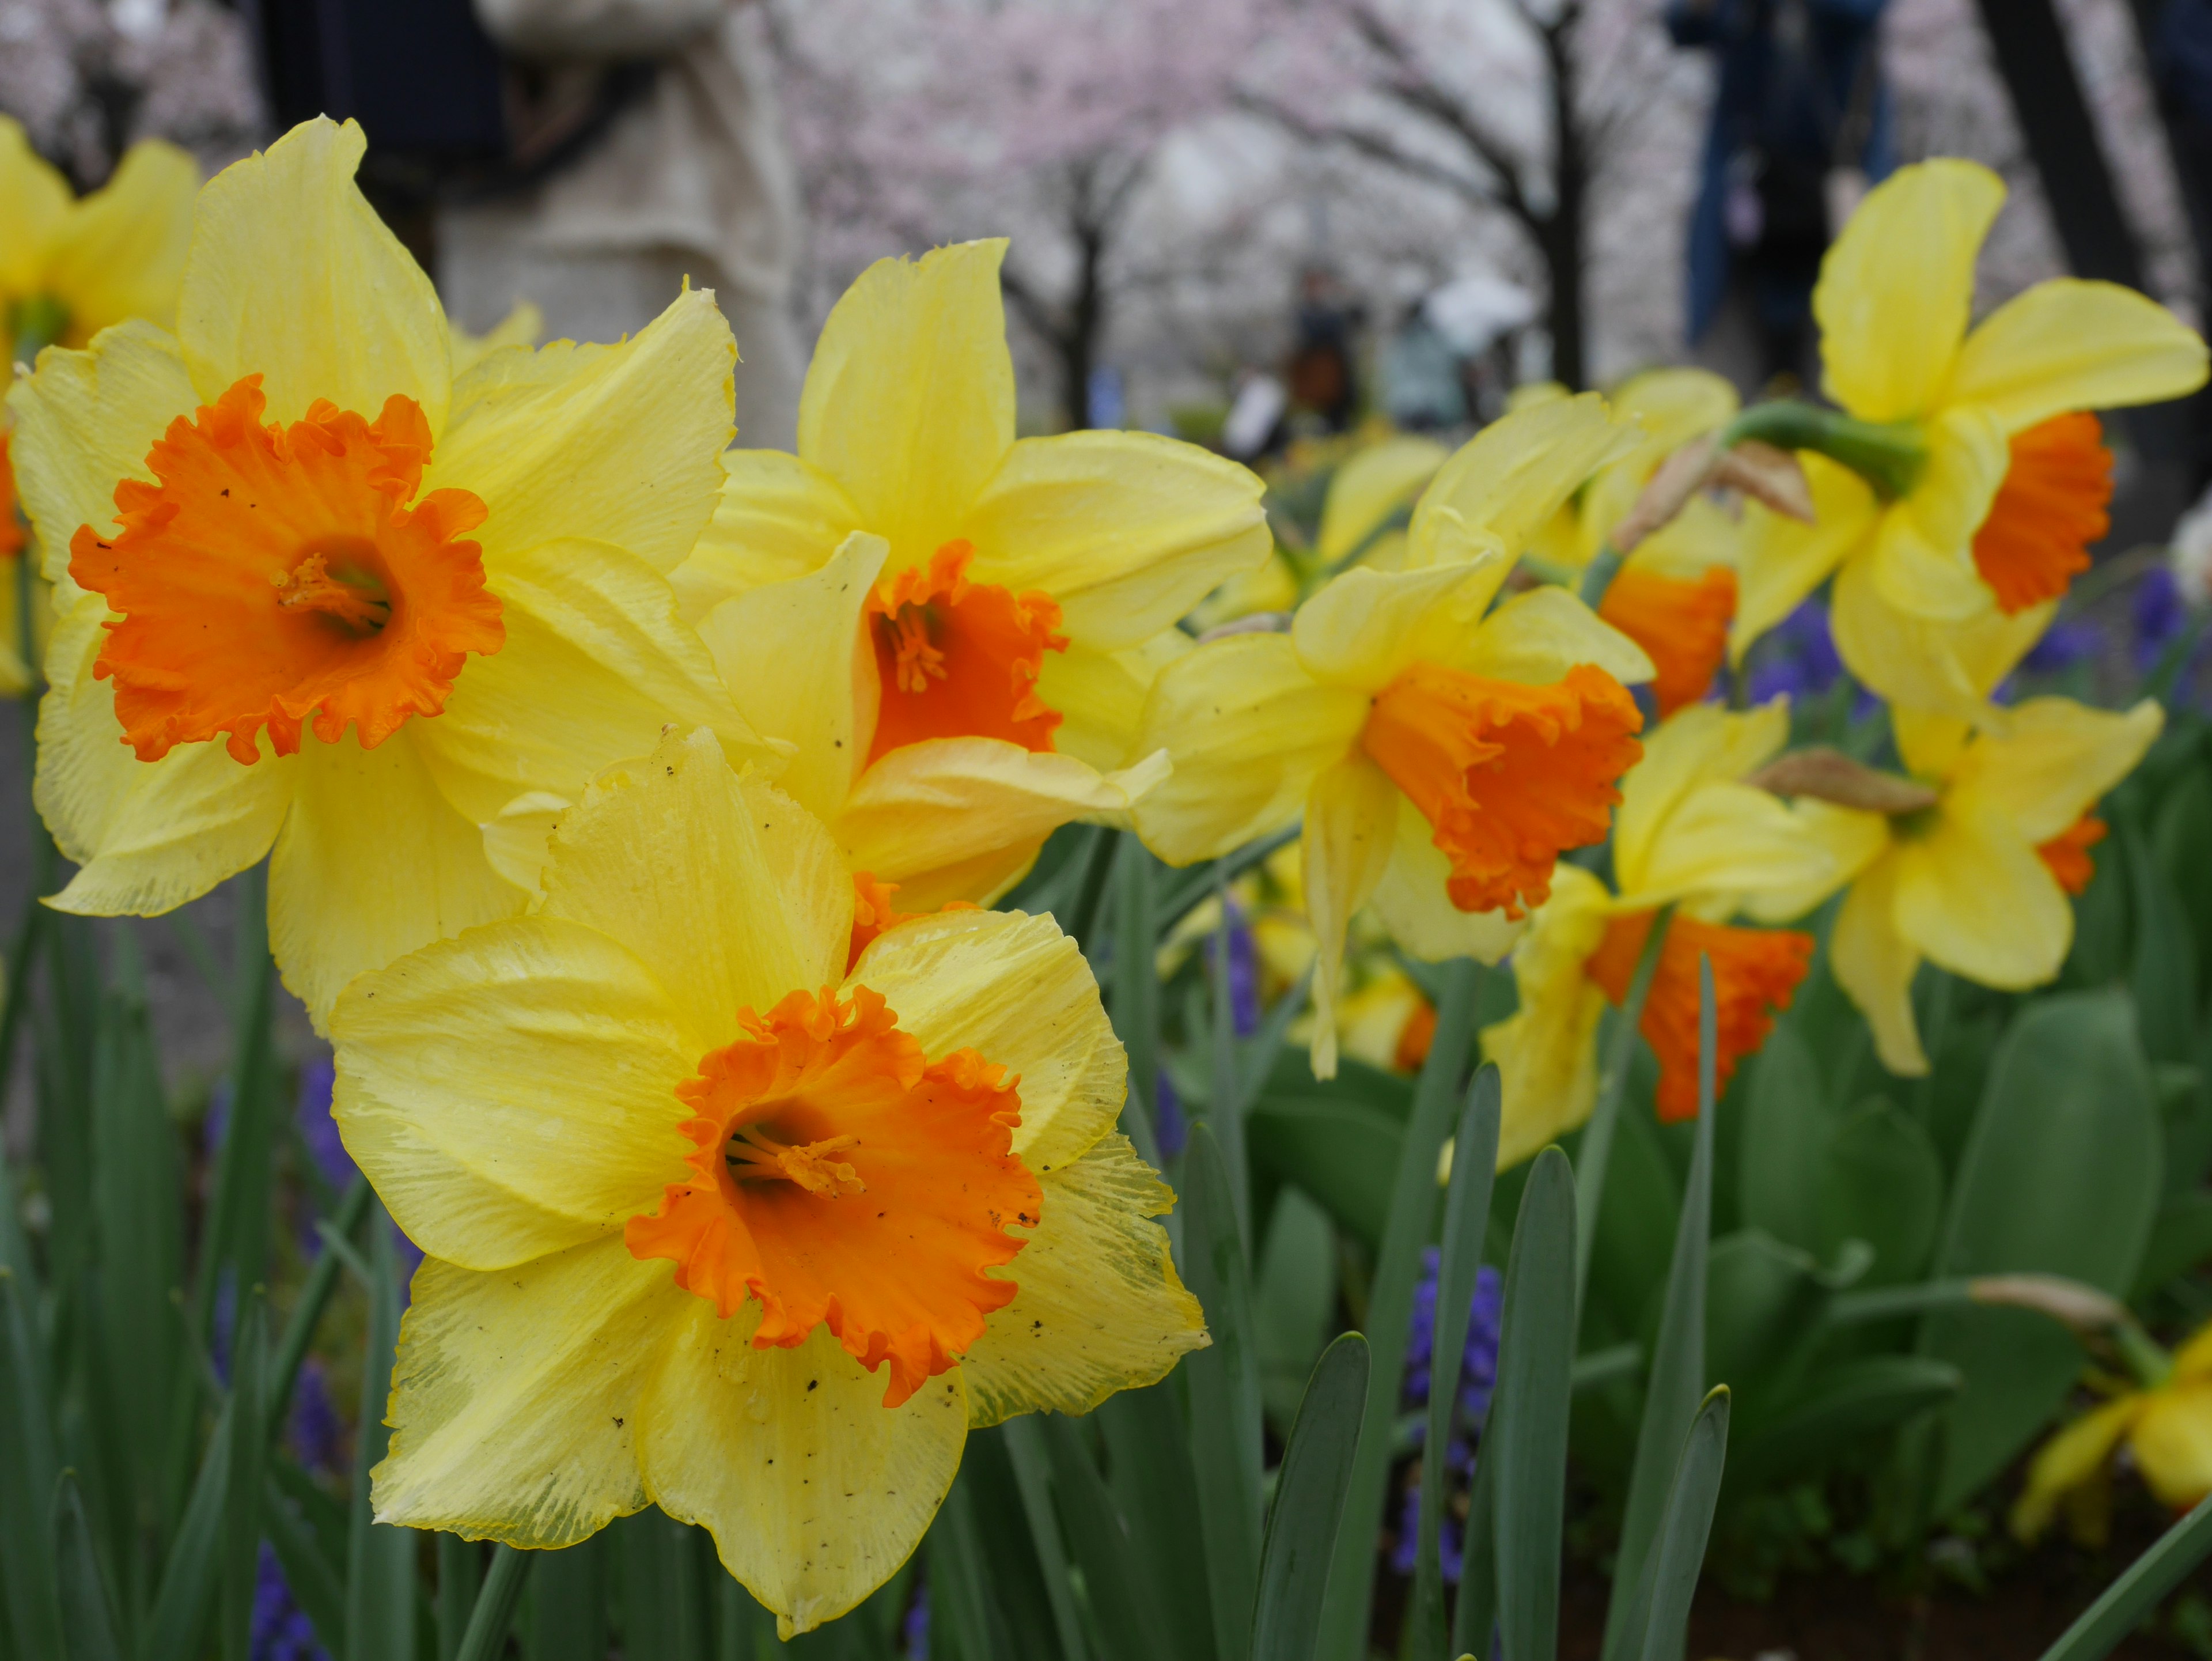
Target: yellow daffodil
[1370,489]
[1690,833]
[16,584]
[1971,867]
[2167,1428]
[719,1223]
[1442,751]
[1996,477]
[68,267]
[1005,601]
[318,594]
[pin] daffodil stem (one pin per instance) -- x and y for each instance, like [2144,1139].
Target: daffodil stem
[1604,566]
[1597,1150]
[495,1607]
[308,1313]
[1889,455]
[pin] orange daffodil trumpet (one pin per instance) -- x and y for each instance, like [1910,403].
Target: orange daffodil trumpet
[1443,751]
[1004,601]
[713,1224]
[1693,834]
[319,595]
[1996,477]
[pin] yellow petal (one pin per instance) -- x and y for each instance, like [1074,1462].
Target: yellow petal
[512,1093]
[1875,963]
[372,862]
[1351,828]
[814,1491]
[1943,667]
[594,666]
[146,836]
[2052,761]
[1370,486]
[83,422]
[1897,287]
[909,402]
[1249,729]
[1730,839]
[514,1402]
[1536,638]
[726,891]
[1511,476]
[1974,898]
[802,671]
[776,518]
[2067,345]
[1853,840]
[962,819]
[120,253]
[1019,993]
[1101,697]
[1126,531]
[1365,629]
[619,444]
[2194,1359]
[34,200]
[2069,1459]
[1671,406]
[1546,1051]
[2172,1442]
[1922,558]
[1412,901]
[1784,559]
[292,276]
[1701,744]
[1100,1308]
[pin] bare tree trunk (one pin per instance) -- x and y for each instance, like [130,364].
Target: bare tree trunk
[1560,237]
[1087,323]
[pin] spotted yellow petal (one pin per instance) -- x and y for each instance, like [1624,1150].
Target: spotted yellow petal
[1897,285]
[146,836]
[1249,729]
[909,402]
[292,276]
[1020,993]
[1100,1308]
[372,862]
[814,1491]
[619,444]
[514,1402]
[1546,1050]
[512,1093]
[777,517]
[120,252]
[1783,560]
[1972,896]
[2052,761]
[2067,345]
[1351,830]
[727,892]
[1126,531]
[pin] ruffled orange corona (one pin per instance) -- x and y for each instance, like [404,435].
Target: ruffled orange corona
[2047,512]
[959,659]
[2067,855]
[11,527]
[1508,776]
[277,574]
[873,911]
[1681,625]
[844,1180]
[1415,1038]
[1756,973]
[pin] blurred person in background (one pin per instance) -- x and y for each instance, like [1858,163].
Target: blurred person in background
[1801,125]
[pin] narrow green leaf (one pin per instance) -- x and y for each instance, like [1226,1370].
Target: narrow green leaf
[190,1576]
[1467,1216]
[2129,1599]
[1225,1113]
[1675,1382]
[1150,1472]
[959,1578]
[1526,1437]
[1088,894]
[1474,1615]
[241,1525]
[87,1608]
[311,1574]
[30,1468]
[1671,1578]
[379,1558]
[1127,1606]
[2163,976]
[1596,1148]
[494,1611]
[1025,1451]
[1136,1008]
[1391,1310]
[460,1574]
[1224,1382]
[1187,888]
[307,1313]
[569,1604]
[1307,1520]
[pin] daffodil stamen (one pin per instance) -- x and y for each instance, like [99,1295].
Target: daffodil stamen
[753,1155]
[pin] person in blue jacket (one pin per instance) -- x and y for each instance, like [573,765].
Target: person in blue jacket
[1800,115]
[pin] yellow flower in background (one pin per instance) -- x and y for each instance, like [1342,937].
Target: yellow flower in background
[1690,832]
[1366,492]
[520,327]
[1975,876]
[70,266]
[322,599]
[893,1200]
[16,675]
[1004,602]
[2168,1429]
[2000,476]
[1442,752]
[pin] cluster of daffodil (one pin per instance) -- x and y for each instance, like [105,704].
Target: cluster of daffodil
[629,800]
